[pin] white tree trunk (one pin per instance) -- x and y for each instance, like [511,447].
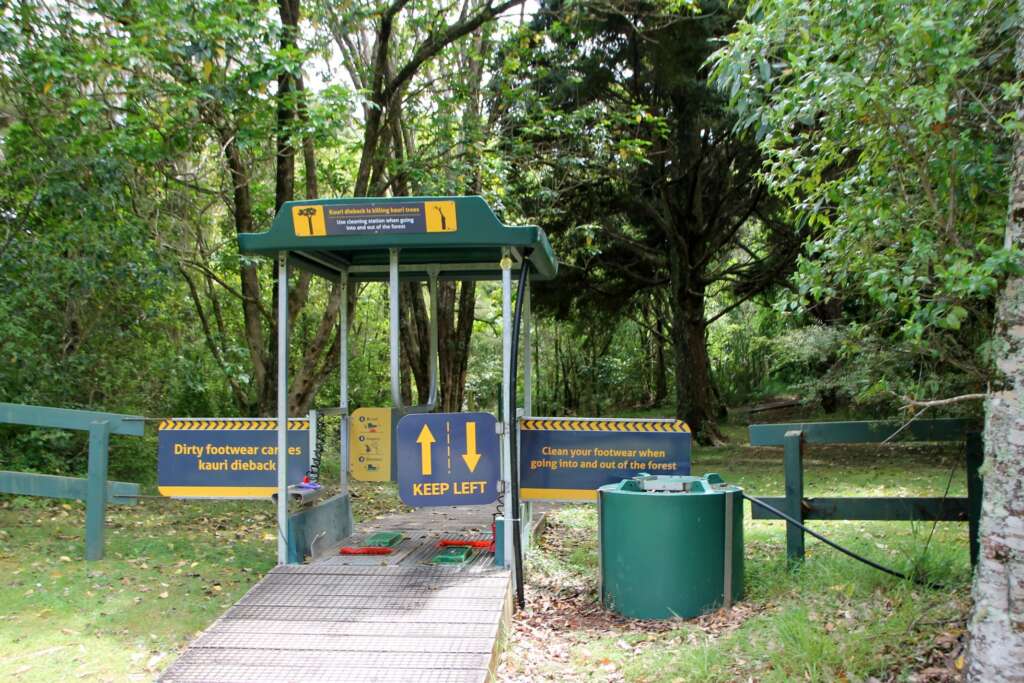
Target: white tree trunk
[997,622]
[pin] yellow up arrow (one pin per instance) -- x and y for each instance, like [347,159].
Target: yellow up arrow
[471,456]
[425,440]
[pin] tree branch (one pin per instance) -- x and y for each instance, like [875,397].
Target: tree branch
[909,402]
[240,395]
[437,42]
[216,278]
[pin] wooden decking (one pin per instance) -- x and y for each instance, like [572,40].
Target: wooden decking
[369,618]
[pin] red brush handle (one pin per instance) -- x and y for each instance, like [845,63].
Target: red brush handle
[445,542]
[349,550]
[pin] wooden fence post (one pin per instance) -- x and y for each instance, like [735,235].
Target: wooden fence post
[975,452]
[96,489]
[793,450]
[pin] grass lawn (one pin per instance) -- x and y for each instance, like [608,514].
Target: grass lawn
[170,569]
[833,619]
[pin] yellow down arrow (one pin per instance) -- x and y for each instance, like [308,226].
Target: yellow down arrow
[426,440]
[471,456]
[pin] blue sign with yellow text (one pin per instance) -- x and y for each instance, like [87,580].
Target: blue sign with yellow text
[227,457]
[570,458]
[448,459]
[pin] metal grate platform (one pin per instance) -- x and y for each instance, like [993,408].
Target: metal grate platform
[387,619]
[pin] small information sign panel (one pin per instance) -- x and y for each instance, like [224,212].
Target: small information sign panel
[448,459]
[569,458]
[318,220]
[227,457]
[369,452]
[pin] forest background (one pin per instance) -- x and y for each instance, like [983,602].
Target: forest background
[800,199]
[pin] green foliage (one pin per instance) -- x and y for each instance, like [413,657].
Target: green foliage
[483,381]
[649,192]
[87,315]
[759,352]
[597,365]
[882,125]
[92,309]
[743,347]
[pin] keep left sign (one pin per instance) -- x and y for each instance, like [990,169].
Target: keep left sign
[448,459]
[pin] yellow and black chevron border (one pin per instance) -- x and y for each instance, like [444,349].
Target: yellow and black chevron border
[568,424]
[237,424]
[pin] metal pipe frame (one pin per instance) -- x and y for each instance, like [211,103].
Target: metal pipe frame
[343,381]
[527,507]
[528,354]
[420,272]
[311,434]
[508,411]
[282,407]
[434,359]
[727,556]
[393,339]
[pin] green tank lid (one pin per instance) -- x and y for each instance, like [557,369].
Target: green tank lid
[670,483]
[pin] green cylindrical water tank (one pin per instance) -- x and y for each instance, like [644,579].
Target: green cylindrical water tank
[665,549]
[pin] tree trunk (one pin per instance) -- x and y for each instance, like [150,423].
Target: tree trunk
[570,394]
[284,180]
[454,331]
[695,396]
[997,621]
[284,190]
[660,379]
[415,337]
[241,209]
[455,328]
[404,375]
[322,348]
[556,406]
[318,357]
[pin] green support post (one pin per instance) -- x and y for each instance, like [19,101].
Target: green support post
[96,499]
[975,452]
[793,449]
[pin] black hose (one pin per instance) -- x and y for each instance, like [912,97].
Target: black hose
[783,515]
[316,457]
[513,421]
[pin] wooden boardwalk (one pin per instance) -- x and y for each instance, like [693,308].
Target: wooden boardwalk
[394,618]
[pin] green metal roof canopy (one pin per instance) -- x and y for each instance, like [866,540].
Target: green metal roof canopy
[390,239]
[460,237]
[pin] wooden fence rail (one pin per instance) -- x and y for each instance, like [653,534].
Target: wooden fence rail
[793,436]
[95,489]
